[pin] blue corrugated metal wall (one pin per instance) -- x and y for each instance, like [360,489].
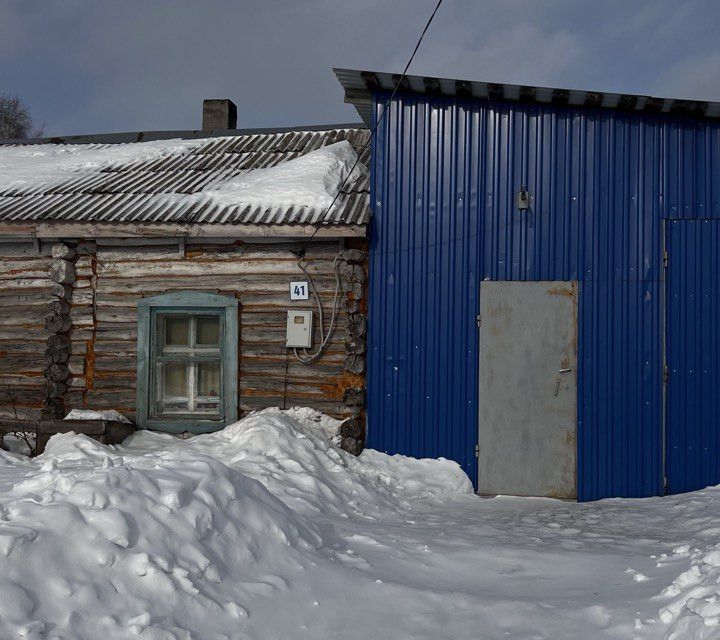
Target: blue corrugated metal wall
[445,175]
[693,348]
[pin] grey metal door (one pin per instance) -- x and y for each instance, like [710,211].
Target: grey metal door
[528,389]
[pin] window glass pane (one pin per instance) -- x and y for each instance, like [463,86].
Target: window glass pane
[209,379]
[176,331]
[207,331]
[185,381]
[175,380]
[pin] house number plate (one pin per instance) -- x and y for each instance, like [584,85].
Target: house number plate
[298,291]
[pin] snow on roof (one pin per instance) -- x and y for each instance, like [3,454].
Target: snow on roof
[274,178]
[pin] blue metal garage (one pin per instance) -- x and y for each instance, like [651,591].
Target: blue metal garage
[611,201]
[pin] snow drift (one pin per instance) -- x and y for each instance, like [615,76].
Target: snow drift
[295,458]
[165,538]
[312,180]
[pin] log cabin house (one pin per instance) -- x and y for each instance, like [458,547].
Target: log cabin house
[150,273]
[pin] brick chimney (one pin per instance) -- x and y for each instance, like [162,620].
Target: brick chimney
[219,114]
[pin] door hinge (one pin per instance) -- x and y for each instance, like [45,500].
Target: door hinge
[477,320]
[477,450]
[666,258]
[666,373]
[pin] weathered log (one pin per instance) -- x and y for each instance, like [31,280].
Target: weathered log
[86,248]
[76,366]
[352,305]
[60,306]
[354,397]
[353,273]
[83,267]
[20,315]
[353,428]
[355,364]
[24,269]
[353,287]
[57,372]
[81,297]
[177,268]
[62,271]
[58,349]
[352,446]
[355,346]
[357,326]
[353,255]
[58,323]
[62,250]
[55,389]
[58,342]
[57,356]
[48,230]
[53,408]
[61,291]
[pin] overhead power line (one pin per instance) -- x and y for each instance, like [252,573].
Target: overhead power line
[301,253]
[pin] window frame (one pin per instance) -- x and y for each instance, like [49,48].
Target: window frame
[191,355]
[192,303]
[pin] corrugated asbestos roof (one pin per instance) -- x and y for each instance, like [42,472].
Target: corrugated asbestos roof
[138,191]
[359,86]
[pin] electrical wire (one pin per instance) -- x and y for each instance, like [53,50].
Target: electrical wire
[307,357]
[301,254]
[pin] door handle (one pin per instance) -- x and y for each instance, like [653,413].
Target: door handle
[557,381]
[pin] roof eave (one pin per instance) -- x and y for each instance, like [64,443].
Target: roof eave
[361,85]
[11,231]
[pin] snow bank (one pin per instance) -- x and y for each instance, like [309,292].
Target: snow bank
[165,538]
[88,414]
[98,544]
[312,180]
[296,459]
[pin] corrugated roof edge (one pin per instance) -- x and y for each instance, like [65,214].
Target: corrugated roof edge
[359,86]
[148,136]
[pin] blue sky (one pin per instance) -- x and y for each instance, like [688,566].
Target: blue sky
[88,66]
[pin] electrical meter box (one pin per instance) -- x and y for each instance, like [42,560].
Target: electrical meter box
[299,329]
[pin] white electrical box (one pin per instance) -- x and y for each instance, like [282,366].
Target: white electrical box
[299,329]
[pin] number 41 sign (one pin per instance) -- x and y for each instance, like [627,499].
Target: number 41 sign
[298,291]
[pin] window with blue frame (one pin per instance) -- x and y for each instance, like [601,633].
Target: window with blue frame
[187,361]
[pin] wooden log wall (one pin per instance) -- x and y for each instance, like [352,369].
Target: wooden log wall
[25,287]
[68,323]
[104,321]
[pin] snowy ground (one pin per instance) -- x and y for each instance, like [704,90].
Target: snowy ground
[266,530]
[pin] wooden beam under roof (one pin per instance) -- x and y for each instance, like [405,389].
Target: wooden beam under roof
[80,230]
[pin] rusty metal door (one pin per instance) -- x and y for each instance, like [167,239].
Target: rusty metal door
[528,389]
